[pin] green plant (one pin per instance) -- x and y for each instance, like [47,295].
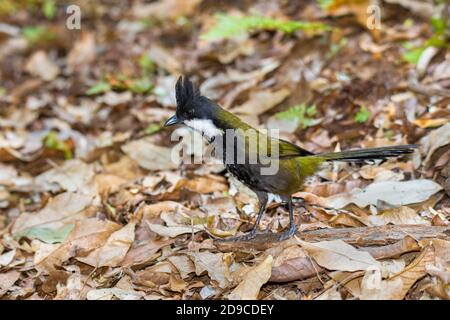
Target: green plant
[362,115]
[300,113]
[52,141]
[439,39]
[49,9]
[228,26]
[100,87]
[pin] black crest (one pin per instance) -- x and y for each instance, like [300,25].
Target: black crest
[185,92]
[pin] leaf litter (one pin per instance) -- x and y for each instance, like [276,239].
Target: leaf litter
[93,207]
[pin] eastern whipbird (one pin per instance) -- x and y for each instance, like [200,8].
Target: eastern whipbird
[293,163]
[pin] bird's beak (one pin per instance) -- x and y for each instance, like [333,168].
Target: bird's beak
[171,121]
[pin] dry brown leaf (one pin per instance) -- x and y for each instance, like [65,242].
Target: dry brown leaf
[83,52]
[113,252]
[249,288]
[401,215]
[42,66]
[262,101]
[433,141]
[164,59]
[183,263]
[338,255]
[7,258]
[164,9]
[111,293]
[7,280]
[173,231]
[88,235]
[206,184]
[144,252]
[73,176]
[396,287]
[407,244]
[150,156]
[293,264]
[63,209]
[214,264]
[396,193]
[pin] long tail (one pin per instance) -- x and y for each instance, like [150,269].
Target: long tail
[369,154]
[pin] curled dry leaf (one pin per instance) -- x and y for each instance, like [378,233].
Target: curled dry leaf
[114,250]
[249,288]
[434,140]
[150,156]
[338,255]
[407,244]
[293,264]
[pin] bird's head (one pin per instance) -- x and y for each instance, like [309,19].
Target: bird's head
[195,110]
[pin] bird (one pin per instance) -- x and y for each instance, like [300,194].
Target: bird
[293,164]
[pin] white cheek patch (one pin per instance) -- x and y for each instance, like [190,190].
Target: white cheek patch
[204,126]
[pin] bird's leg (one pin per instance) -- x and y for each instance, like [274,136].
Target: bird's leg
[292,226]
[263,198]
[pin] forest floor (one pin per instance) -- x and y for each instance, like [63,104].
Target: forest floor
[93,207]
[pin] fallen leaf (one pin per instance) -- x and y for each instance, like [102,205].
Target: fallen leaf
[396,193]
[48,235]
[113,252]
[249,288]
[164,59]
[262,101]
[397,286]
[41,66]
[150,156]
[88,235]
[401,215]
[74,175]
[183,263]
[83,51]
[174,231]
[60,211]
[214,264]
[434,140]
[7,258]
[111,293]
[164,9]
[338,255]
[7,280]
[293,264]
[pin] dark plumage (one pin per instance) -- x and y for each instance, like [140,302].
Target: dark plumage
[294,164]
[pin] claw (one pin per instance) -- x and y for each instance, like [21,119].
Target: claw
[246,237]
[288,233]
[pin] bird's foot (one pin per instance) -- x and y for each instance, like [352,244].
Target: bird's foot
[288,233]
[246,237]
